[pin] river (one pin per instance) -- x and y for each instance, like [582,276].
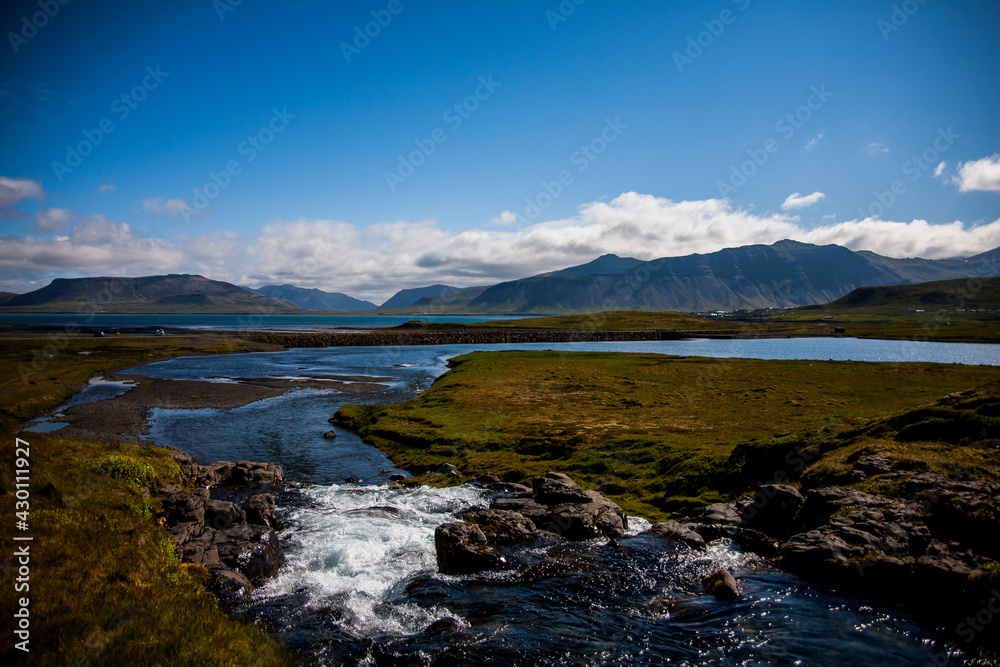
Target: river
[360,585]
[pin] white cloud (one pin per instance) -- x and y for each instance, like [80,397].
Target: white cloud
[15,190]
[159,206]
[982,174]
[96,246]
[917,238]
[938,170]
[52,220]
[876,147]
[107,187]
[815,140]
[152,204]
[795,200]
[505,219]
[376,260]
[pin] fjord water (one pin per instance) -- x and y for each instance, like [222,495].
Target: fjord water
[112,321]
[360,585]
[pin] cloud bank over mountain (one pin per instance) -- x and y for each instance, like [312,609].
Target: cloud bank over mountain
[373,261]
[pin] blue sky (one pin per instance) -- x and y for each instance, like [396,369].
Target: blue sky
[468,143]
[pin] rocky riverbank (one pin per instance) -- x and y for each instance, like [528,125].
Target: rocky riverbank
[935,550]
[935,553]
[224,527]
[555,509]
[221,517]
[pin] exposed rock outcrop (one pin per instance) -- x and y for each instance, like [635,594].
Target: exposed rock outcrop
[722,585]
[234,538]
[228,474]
[555,504]
[462,548]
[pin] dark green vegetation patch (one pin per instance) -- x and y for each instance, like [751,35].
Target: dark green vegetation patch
[663,434]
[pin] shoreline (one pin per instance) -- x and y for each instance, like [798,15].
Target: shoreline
[194,394]
[128,415]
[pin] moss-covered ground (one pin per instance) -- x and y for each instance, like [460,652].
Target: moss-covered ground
[655,433]
[104,585]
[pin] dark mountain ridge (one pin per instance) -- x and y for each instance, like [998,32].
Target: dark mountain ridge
[315,299]
[785,274]
[405,298]
[173,293]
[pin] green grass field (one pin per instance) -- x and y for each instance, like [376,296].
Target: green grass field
[656,433]
[105,586]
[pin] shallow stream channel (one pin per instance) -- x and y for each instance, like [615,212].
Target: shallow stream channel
[361,587]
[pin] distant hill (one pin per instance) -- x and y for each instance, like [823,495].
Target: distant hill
[987,263]
[6,296]
[604,265]
[408,297]
[787,273]
[315,299]
[460,298]
[174,293]
[960,294]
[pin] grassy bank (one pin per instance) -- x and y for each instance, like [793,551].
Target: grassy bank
[657,434]
[38,372]
[104,584]
[857,321]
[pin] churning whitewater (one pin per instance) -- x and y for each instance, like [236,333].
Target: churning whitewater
[361,587]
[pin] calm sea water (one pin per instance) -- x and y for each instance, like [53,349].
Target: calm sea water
[360,585]
[110,321]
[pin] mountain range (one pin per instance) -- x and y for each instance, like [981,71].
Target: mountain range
[174,293]
[785,274]
[315,299]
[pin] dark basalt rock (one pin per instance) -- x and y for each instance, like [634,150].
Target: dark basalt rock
[556,488]
[254,551]
[722,585]
[501,527]
[772,509]
[680,532]
[259,510]
[221,514]
[228,584]
[229,474]
[448,469]
[233,539]
[726,514]
[558,506]
[590,516]
[443,626]
[871,465]
[462,549]
[186,506]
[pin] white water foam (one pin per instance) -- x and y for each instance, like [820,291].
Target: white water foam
[356,544]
